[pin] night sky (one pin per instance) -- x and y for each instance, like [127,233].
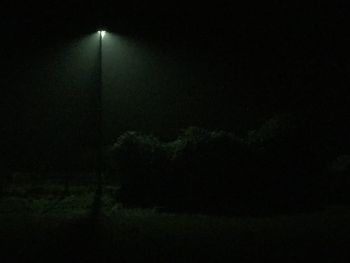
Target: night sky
[167,67]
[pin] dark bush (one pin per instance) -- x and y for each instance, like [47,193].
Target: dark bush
[201,169]
[293,162]
[274,168]
[137,161]
[210,168]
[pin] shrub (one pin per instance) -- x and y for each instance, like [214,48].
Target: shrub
[292,161]
[136,159]
[209,166]
[200,169]
[215,171]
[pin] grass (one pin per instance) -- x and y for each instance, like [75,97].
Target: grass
[34,227]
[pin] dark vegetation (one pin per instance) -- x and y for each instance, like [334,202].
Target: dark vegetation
[32,233]
[276,168]
[273,194]
[279,167]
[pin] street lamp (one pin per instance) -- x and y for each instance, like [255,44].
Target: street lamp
[99,168]
[97,202]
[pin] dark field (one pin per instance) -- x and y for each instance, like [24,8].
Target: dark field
[45,223]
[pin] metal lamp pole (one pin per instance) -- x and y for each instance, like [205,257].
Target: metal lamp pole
[99,168]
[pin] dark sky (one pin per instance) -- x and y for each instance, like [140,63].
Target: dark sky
[246,62]
[170,21]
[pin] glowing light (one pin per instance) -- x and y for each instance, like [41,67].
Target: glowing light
[102,33]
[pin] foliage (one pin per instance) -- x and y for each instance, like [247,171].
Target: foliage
[273,167]
[136,159]
[200,169]
[294,159]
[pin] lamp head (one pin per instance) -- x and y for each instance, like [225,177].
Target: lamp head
[102,33]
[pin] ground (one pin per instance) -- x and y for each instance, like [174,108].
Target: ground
[44,223]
